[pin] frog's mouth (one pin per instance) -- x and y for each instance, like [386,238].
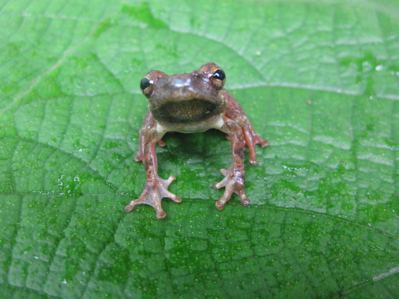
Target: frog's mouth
[187,111]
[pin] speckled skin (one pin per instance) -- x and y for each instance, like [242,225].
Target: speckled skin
[188,103]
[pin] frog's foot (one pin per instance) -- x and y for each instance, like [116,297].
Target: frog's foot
[152,195]
[233,182]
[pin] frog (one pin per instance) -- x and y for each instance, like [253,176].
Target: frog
[192,103]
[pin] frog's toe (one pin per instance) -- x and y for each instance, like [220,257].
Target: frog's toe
[161,143]
[139,158]
[153,194]
[223,182]
[262,142]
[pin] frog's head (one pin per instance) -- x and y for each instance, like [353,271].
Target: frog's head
[184,98]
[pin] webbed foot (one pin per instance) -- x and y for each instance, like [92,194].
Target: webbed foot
[152,195]
[233,182]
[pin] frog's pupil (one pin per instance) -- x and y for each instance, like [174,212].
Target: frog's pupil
[219,74]
[144,83]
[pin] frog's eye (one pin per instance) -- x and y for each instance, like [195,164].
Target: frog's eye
[218,78]
[146,86]
[219,74]
[144,83]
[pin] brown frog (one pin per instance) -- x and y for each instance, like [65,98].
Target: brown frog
[188,103]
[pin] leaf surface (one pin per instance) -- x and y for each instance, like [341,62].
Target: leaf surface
[318,79]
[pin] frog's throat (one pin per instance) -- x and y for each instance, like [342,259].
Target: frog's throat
[186,111]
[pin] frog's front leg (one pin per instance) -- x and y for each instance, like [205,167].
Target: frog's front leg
[155,188]
[234,111]
[233,181]
[148,123]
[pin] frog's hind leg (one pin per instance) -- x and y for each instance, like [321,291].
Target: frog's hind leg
[233,181]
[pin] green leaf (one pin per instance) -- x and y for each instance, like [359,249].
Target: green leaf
[318,79]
